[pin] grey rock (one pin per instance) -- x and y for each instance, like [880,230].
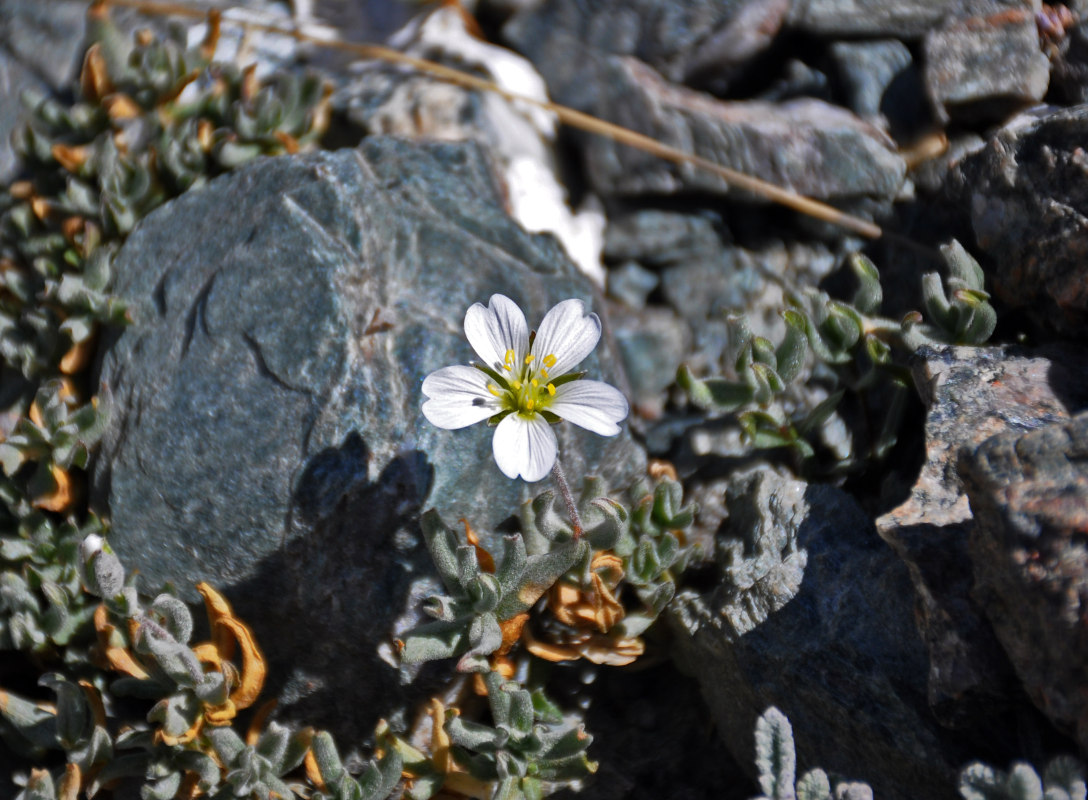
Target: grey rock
[987,61]
[658,238]
[631,284]
[267,434]
[15,78]
[879,81]
[1027,198]
[573,43]
[900,18]
[1029,491]
[653,342]
[971,394]
[814,148]
[46,37]
[811,613]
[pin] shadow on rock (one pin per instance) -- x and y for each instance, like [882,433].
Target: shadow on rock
[329,601]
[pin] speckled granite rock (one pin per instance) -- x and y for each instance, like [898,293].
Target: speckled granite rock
[267,433]
[971,394]
[1027,196]
[986,61]
[1029,492]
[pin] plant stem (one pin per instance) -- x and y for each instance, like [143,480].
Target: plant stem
[568,498]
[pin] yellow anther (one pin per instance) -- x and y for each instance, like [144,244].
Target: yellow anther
[529,403]
[508,359]
[544,374]
[551,389]
[494,390]
[549,360]
[529,358]
[517,384]
[535,382]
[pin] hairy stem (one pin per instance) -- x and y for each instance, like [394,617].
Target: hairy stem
[568,498]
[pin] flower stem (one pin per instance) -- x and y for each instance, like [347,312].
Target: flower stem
[568,498]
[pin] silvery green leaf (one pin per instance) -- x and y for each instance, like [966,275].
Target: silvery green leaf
[790,355]
[200,764]
[510,568]
[763,352]
[716,394]
[272,745]
[468,566]
[979,781]
[227,743]
[605,522]
[162,789]
[775,755]
[484,635]
[442,545]
[212,689]
[176,713]
[814,785]
[329,765]
[73,716]
[433,641]
[962,265]
[541,571]
[519,722]
[475,736]
[869,295]
[484,593]
[35,724]
[174,616]
[1067,774]
[853,791]
[381,778]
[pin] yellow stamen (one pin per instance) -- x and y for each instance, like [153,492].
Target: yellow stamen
[549,360]
[508,359]
[517,384]
[535,382]
[529,358]
[529,403]
[544,374]
[551,389]
[494,390]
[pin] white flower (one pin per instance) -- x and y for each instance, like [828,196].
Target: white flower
[525,382]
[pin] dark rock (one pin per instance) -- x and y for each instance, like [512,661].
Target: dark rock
[653,736]
[1027,196]
[971,394]
[817,149]
[811,613]
[267,434]
[574,43]
[899,18]
[657,238]
[1029,491]
[986,62]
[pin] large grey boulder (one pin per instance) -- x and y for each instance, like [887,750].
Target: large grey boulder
[266,433]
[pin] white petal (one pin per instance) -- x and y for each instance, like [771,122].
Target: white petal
[494,330]
[568,333]
[593,405]
[458,396]
[524,446]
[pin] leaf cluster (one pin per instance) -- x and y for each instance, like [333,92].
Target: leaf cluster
[854,345]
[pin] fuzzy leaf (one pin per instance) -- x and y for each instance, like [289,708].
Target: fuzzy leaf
[442,545]
[775,756]
[174,616]
[715,394]
[541,571]
[814,786]
[433,641]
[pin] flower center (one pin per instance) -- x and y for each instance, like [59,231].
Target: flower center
[531,390]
